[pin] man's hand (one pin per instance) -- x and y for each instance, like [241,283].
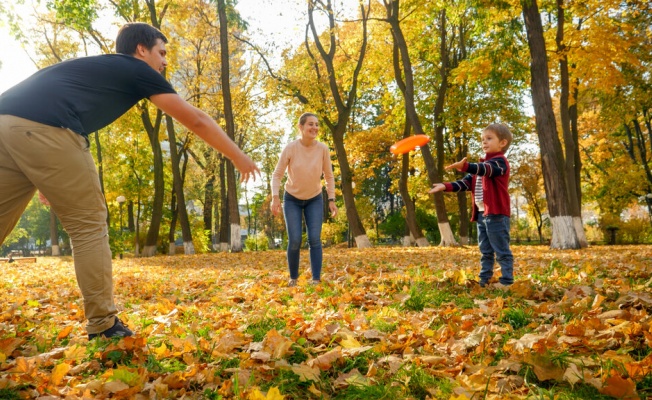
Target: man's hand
[246,166]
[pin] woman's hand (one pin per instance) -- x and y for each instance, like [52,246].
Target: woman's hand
[333,208]
[276,205]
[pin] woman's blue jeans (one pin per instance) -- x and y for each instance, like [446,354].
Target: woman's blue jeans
[493,239]
[313,212]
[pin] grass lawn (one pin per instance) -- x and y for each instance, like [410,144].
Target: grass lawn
[386,323]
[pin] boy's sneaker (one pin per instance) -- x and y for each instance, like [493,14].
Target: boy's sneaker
[118,329]
[292,283]
[315,282]
[500,286]
[484,284]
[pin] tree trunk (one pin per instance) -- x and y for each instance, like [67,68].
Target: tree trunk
[188,246]
[407,88]
[153,130]
[234,212]
[224,208]
[172,246]
[344,107]
[570,141]
[564,234]
[54,234]
[130,216]
[463,200]
[209,198]
[410,210]
[100,173]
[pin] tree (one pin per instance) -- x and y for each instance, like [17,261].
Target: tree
[343,102]
[234,212]
[564,226]
[403,77]
[528,178]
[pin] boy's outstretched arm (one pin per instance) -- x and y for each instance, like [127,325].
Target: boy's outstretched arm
[457,165]
[437,187]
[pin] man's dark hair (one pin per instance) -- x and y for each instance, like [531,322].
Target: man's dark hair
[135,33]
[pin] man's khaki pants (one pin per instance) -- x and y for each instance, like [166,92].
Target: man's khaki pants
[58,163]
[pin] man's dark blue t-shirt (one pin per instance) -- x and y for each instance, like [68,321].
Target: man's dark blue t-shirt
[84,94]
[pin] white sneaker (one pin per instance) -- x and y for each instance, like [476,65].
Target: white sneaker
[292,283]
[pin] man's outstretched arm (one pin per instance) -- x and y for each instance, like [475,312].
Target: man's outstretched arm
[207,129]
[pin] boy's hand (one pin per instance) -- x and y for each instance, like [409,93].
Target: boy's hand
[437,187]
[458,165]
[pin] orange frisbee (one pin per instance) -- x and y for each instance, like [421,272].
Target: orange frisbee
[409,143]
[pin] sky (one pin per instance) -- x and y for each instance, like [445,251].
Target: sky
[266,21]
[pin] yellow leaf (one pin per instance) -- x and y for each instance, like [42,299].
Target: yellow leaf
[312,389]
[161,351]
[256,395]
[349,342]
[58,373]
[274,394]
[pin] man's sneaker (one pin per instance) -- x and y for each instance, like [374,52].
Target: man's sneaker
[292,283]
[483,284]
[315,282]
[118,329]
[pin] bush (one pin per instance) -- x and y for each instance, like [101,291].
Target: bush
[257,243]
[636,230]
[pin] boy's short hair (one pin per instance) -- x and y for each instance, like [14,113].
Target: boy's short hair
[503,132]
[135,33]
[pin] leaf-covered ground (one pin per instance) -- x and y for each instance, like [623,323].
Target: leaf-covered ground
[394,323]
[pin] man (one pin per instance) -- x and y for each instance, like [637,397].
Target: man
[44,126]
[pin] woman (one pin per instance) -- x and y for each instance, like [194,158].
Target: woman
[305,160]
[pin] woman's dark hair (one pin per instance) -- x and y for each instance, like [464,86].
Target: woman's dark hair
[135,33]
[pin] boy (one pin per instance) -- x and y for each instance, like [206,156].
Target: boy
[488,180]
[44,126]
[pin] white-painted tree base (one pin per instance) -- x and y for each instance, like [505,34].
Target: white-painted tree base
[224,246]
[188,248]
[408,241]
[579,231]
[149,251]
[465,240]
[55,250]
[362,242]
[423,242]
[564,235]
[236,240]
[172,249]
[447,238]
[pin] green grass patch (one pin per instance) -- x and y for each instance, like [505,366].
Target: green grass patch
[517,317]
[259,329]
[420,384]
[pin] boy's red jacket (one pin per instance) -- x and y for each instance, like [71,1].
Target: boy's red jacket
[494,168]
